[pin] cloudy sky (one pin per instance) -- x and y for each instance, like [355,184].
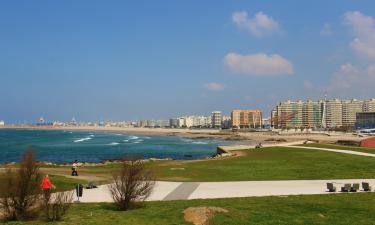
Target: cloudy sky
[128,60]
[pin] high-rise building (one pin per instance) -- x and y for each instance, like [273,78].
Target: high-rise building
[369,105]
[2,123]
[246,118]
[334,113]
[216,119]
[350,108]
[227,122]
[312,114]
[287,114]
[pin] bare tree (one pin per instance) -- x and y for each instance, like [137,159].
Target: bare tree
[21,192]
[132,183]
[56,206]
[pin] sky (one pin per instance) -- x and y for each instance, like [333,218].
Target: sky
[131,60]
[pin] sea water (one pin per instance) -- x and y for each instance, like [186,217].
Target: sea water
[64,146]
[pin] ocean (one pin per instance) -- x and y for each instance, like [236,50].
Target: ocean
[63,146]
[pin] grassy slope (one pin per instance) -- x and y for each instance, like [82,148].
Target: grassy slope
[276,163]
[352,148]
[318,209]
[61,183]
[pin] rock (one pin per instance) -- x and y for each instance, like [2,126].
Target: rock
[201,215]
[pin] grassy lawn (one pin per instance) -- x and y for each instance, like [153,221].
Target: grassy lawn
[277,163]
[349,208]
[352,148]
[61,183]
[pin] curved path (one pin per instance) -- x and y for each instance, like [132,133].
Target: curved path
[164,191]
[336,150]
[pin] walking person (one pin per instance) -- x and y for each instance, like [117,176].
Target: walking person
[47,187]
[74,168]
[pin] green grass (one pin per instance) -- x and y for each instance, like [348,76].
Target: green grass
[61,183]
[277,163]
[342,147]
[348,208]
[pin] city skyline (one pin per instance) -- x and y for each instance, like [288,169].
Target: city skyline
[136,60]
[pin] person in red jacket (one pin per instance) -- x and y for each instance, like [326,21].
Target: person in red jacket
[46,186]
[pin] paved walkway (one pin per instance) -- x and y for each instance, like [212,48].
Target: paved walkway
[336,150]
[164,191]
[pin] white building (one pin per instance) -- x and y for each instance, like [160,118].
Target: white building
[2,123]
[216,119]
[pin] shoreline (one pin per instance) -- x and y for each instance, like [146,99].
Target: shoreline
[257,136]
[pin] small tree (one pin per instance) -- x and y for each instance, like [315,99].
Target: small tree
[132,183]
[57,206]
[21,192]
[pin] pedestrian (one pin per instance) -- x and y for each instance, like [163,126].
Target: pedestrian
[74,168]
[46,186]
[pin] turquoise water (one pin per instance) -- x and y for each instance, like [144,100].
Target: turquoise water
[66,146]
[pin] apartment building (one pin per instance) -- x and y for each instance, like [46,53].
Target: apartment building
[333,113]
[246,118]
[350,108]
[369,105]
[216,119]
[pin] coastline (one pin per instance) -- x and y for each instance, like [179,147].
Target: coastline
[259,136]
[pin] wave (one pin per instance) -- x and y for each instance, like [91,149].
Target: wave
[147,137]
[83,139]
[118,134]
[113,143]
[91,135]
[133,137]
[199,142]
[126,140]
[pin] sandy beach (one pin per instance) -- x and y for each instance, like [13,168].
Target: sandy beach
[260,136]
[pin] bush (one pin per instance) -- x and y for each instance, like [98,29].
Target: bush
[21,192]
[132,183]
[57,206]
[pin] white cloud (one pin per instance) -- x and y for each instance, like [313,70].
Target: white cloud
[213,86]
[364,29]
[260,25]
[352,81]
[258,64]
[326,30]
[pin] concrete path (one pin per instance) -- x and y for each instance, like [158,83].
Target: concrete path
[164,191]
[336,150]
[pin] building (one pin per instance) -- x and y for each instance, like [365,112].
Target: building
[227,122]
[216,119]
[312,114]
[349,112]
[365,120]
[173,122]
[287,115]
[331,114]
[369,105]
[2,123]
[246,118]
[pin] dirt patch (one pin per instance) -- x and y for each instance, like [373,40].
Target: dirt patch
[201,215]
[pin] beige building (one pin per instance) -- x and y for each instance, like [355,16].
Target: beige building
[333,113]
[246,118]
[369,105]
[350,108]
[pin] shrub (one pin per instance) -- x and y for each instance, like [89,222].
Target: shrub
[132,183]
[21,192]
[57,205]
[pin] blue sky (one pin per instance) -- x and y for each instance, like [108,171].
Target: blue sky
[128,60]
